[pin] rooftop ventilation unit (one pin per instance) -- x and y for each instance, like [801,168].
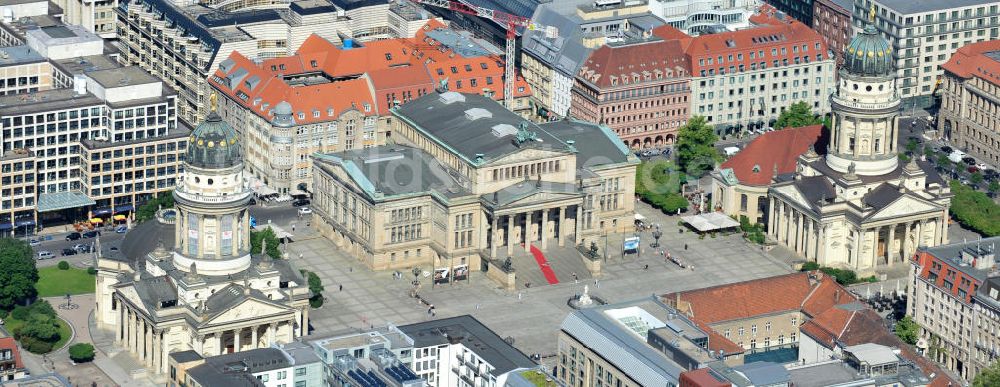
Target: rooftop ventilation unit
[501,130]
[450,97]
[477,113]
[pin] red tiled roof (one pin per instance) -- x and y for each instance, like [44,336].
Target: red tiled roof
[9,343]
[369,78]
[623,63]
[770,31]
[701,377]
[745,299]
[754,165]
[970,60]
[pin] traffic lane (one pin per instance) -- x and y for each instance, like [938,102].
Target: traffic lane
[59,242]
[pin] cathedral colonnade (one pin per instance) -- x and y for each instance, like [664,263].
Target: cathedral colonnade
[152,344]
[513,228]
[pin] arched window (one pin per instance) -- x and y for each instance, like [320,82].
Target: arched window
[743,202]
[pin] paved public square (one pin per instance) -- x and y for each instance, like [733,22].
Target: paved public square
[530,316]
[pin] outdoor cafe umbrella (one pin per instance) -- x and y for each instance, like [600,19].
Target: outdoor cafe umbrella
[96,220]
[120,217]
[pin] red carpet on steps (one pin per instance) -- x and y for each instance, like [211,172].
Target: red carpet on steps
[544,265]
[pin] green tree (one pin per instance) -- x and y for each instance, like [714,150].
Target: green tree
[797,116]
[81,352]
[912,145]
[907,330]
[943,161]
[975,210]
[148,210]
[988,377]
[63,265]
[19,274]
[696,153]
[316,287]
[994,186]
[267,234]
[976,178]
[903,158]
[658,182]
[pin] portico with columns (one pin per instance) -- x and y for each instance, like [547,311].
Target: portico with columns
[200,288]
[857,206]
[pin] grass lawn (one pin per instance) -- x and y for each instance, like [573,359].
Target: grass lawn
[64,332]
[538,379]
[54,282]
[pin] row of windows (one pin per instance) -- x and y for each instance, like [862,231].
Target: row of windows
[520,171]
[404,214]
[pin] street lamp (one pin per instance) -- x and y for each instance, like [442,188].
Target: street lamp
[656,237]
[416,276]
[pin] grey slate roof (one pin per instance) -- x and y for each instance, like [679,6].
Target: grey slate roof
[474,335]
[882,196]
[396,170]
[906,7]
[236,369]
[765,373]
[816,188]
[952,253]
[140,241]
[595,144]
[527,188]
[447,124]
[621,347]
[185,356]
[565,52]
[152,291]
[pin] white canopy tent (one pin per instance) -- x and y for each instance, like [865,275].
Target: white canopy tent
[710,221]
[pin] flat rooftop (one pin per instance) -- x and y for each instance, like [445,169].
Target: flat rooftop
[120,77]
[907,7]
[16,55]
[81,65]
[473,335]
[44,101]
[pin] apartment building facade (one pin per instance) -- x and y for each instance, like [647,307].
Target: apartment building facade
[97,16]
[183,43]
[639,90]
[970,87]
[924,35]
[953,296]
[832,19]
[744,79]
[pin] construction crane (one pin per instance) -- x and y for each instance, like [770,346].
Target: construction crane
[505,19]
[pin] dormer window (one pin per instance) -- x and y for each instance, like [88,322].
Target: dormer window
[756,168]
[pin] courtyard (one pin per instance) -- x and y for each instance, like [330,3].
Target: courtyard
[530,316]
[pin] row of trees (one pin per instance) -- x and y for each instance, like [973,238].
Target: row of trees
[975,210]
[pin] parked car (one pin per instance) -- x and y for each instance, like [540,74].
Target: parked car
[121,229]
[91,234]
[68,251]
[972,169]
[300,202]
[305,210]
[946,149]
[82,247]
[982,166]
[73,236]
[34,242]
[969,160]
[45,255]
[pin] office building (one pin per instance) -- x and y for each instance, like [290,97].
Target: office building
[466,177]
[184,43]
[969,100]
[858,206]
[640,90]
[832,19]
[188,281]
[552,56]
[97,16]
[291,364]
[923,35]
[461,351]
[383,353]
[953,296]
[801,10]
[697,17]
[327,99]
[744,79]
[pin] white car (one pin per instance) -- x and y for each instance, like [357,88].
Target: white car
[982,166]
[34,242]
[305,210]
[45,255]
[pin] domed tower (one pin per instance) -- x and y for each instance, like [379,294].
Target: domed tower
[865,108]
[213,225]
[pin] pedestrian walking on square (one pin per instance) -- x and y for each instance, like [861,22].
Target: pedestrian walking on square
[341,287]
[645,267]
[685,246]
[300,255]
[293,228]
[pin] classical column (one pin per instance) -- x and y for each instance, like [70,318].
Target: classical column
[919,238]
[155,354]
[937,231]
[147,344]
[526,230]
[222,348]
[799,235]
[561,233]
[906,241]
[821,245]
[510,234]
[891,245]
[493,238]
[944,229]
[577,223]
[271,328]
[770,215]
[253,337]
[807,248]
[119,319]
[780,227]
[131,331]
[857,249]
[544,228]
[236,339]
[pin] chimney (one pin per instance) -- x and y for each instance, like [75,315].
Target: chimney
[836,296]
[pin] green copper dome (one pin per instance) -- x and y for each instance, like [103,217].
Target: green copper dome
[213,144]
[868,54]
